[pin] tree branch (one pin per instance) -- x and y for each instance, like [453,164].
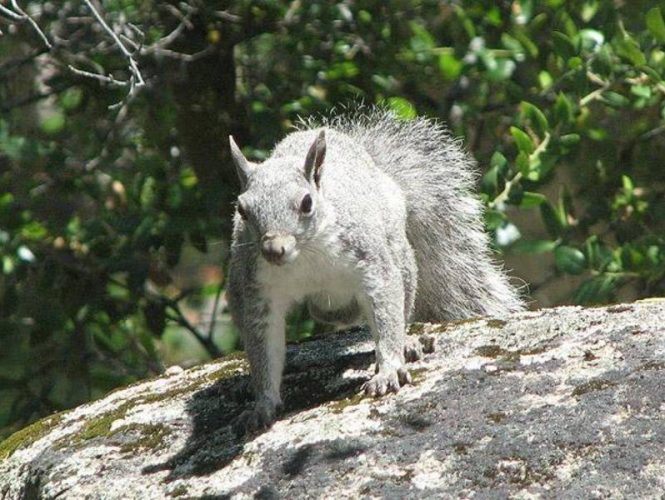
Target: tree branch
[136,79]
[19,15]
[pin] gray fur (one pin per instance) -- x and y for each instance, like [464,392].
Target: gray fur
[395,235]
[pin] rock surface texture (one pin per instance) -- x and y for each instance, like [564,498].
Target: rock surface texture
[560,402]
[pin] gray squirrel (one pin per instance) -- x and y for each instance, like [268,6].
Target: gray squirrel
[368,219]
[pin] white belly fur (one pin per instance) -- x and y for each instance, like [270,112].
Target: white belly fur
[332,282]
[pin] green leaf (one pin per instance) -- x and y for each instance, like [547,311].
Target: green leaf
[148,192]
[7,264]
[629,49]
[615,100]
[522,163]
[188,178]
[534,246]
[490,182]
[513,45]
[54,123]
[422,40]
[563,109]
[627,183]
[589,9]
[653,74]
[563,46]
[545,80]
[71,98]
[574,62]
[551,220]
[34,230]
[527,43]
[523,141]
[402,108]
[569,259]
[342,71]
[569,139]
[598,255]
[501,70]
[449,66]
[494,219]
[595,290]
[535,116]
[641,91]
[530,200]
[655,24]
[499,161]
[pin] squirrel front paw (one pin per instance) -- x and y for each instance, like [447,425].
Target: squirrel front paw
[386,381]
[259,416]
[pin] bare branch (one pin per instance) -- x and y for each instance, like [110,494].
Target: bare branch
[184,18]
[213,318]
[4,11]
[179,55]
[137,78]
[19,15]
[167,40]
[228,16]
[102,78]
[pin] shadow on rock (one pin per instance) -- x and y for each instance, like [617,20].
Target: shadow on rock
[309,381]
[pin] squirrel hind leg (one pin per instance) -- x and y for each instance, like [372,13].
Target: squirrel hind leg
[323,311]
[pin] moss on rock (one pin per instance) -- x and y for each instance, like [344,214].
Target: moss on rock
[29,435]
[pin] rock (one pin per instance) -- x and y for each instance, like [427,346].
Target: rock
[558,402]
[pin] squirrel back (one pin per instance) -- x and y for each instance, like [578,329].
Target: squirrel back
[457,275]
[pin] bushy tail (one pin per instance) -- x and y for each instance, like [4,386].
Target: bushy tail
[457,276]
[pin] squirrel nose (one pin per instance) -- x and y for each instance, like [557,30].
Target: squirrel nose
[277,248]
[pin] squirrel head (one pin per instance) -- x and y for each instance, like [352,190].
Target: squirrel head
[281,201]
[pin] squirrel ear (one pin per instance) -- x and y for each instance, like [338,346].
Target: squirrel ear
[315,157]
[243,167]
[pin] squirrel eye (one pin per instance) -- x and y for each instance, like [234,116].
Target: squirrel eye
[241,211]
[306,204]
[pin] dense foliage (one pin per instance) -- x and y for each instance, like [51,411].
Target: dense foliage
[106,184]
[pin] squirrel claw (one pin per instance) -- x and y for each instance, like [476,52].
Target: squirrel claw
[416,347]
[413,350]
[383,382]
[256,418]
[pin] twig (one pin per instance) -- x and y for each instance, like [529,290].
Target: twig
[652,133]
[20,15]
[225,15]
[4,11]
[213,319]
[503,195]
[102,78]
[179,318]
[173,35]
[184,18]
[596,93]
[137,79]
[179,55]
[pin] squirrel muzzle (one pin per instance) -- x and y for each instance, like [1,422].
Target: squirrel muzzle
[278,248]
